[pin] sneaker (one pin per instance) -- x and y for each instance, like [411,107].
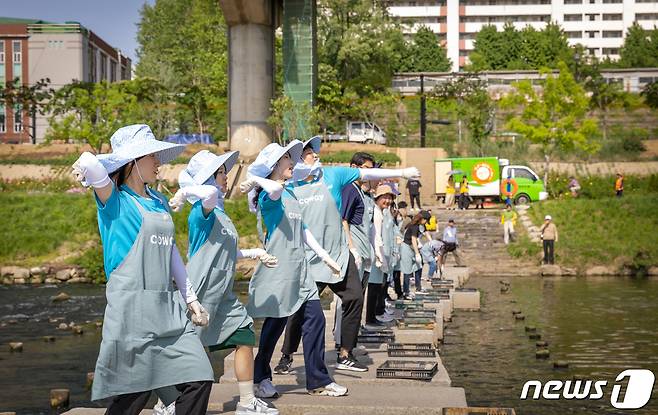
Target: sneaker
[408,297]
[390,312]
[283,368]
[265,389]
[350,363]
[332,389]
[384,318]
[256,406]
[161,409]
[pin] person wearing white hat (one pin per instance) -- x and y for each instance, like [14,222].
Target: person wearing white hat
[148,341]
[275,294]
[319,190]
[213,252]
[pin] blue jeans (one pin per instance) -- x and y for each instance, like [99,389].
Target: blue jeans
[313,326]
[407,280]
[432,271]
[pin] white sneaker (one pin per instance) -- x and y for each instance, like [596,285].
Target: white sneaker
[265,389]
[390,312]
[332,389]
[161,409]
[384,318]
[256,406]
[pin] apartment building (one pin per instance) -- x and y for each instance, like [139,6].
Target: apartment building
[599,25]
[34,49]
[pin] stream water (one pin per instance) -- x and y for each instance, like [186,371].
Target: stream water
[600,326]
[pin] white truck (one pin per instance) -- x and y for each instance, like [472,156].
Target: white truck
[365,132]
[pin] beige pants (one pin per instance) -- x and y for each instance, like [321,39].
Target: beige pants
[450,200]
[508,229]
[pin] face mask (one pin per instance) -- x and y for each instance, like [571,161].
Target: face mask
[220,200]
[302,170]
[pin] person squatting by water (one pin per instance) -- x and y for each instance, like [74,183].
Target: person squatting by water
[148,342]
[319,190]
[213,252]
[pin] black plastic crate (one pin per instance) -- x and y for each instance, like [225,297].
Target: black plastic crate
[416,324]
[408,305]
[422,313]
[403,369]
[411,350]
[379,336]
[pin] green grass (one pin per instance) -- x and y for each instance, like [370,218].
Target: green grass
[346,157]
[600,231]
[40,225]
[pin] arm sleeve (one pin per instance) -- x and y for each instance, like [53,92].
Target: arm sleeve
[273,189]
[378,174]
[179,273]
[377,221]
[312,243]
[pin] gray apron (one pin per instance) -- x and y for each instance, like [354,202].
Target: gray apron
[389,232]
[322,218]
[361,233]
[398,246]
[281,291]
[211,271]
[376,273]
[148,341]
[408,264]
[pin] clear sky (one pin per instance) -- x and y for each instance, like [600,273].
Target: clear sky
[115,21]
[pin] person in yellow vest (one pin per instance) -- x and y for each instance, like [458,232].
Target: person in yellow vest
[450,194]
[508,219]
[464,199]
[431,224]
[619,185]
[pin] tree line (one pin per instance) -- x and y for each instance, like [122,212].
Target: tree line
[181,78]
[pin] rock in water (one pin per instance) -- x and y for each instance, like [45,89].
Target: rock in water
[15,346]
[61,297]
[59,398]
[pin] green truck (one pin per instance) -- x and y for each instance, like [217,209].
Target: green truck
[490,178]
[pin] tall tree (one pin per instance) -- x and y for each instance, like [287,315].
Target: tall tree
[91,112]
[425,53]
[361,42]
[182,44]
[650,94]
[473,106]
[486,54]
[31,98]
[640,49]
[555,117]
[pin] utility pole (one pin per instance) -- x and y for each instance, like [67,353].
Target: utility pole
[423,111]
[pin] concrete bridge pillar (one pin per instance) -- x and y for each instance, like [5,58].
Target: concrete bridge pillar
[251,72]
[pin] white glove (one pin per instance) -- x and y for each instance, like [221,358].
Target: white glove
[209,195]
[266,259]
[333,265]
[200,316]
[248,184]
[411,173]
[357,258]
[419,259]
[89,171]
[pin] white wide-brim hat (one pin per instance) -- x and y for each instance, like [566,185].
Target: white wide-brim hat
[203,165]
[315,143]
[134,141]
[271,154]
[548,217]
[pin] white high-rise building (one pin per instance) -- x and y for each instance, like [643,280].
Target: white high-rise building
[599,25]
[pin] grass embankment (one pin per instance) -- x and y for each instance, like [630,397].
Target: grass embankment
[42,224]
[598,228]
